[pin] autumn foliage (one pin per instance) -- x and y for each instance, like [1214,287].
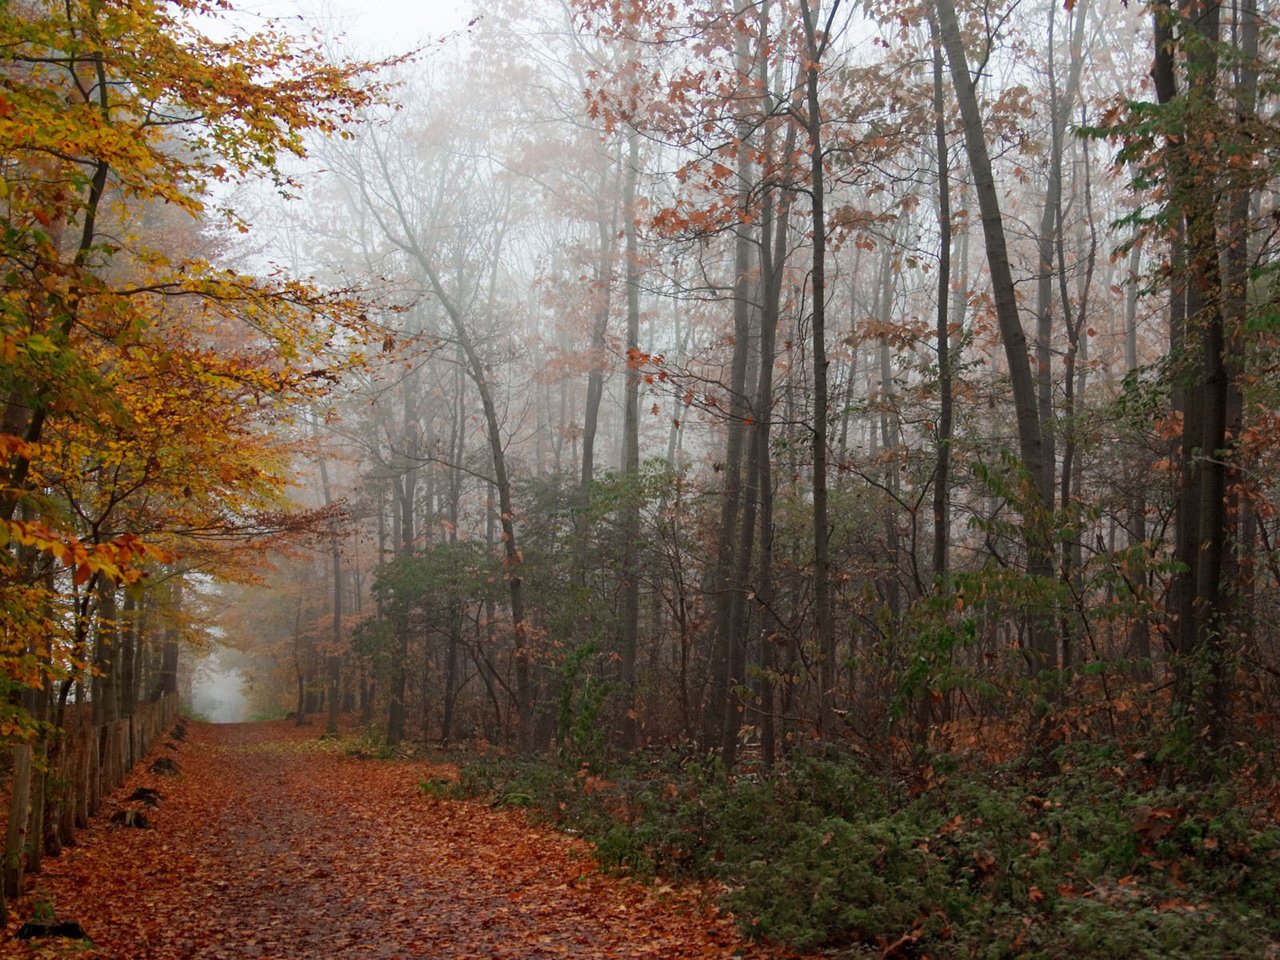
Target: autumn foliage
[145,384]
[831,445]
[142,380]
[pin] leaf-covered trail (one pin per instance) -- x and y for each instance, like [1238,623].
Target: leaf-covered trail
[273,844]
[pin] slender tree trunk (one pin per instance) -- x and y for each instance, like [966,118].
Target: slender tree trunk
[129,618]
[630,626]
[1075,372]
[334,659]
[17,835]
[490,604]
[1139,651]
[299,671]
[1037,519]
[942,327]
[890,437]
[826,640]
[773,252]
[169,651]
[1045,269]
[451,676]
[606,228]
[724,589]
[402,523]
[744,413]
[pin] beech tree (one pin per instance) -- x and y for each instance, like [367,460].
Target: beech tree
[132,426]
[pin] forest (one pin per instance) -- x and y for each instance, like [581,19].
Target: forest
[823,448]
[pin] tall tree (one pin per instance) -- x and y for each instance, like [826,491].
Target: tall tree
[815,44]
[942,324]
[1037,494]
[630,619]
[1189,85]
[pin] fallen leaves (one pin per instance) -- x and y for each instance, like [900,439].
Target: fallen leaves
[268,846]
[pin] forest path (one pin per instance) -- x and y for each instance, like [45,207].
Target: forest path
[274,844]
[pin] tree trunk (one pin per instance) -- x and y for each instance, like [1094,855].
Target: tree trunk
[723,587]
[1044,267]
[1037,517]
[942,328]
[106,655]
[168,685]
[334,659]
[451,677]
[630,625]
[773,253]
[606,229]
[890,437]
[1200,547]
[17,835]
[1139,651]
[1237,565]
[299,672]
[129,622]
[826,640]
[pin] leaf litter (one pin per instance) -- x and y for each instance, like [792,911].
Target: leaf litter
[273,845]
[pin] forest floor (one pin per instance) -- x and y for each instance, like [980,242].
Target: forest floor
[273,843]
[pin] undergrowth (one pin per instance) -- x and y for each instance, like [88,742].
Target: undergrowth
[1101,858]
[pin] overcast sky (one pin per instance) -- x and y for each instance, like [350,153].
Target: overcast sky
[380,28]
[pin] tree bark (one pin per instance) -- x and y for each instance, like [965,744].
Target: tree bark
[17,834]
[724,588]
[1200,547]
[606,229]
[773,253]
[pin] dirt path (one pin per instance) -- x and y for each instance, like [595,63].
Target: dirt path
[271,844]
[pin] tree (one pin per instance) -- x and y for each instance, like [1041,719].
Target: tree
[111,115]
[1204,145]
[1037,492]
[814,46]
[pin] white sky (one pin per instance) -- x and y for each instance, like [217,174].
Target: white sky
[374,28]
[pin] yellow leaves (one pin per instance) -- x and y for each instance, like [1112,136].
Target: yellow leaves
[11,446]
[120,559]
[158,378]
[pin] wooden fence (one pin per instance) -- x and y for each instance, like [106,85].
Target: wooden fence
[84,763]
[95,760]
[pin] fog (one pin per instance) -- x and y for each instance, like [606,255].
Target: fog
[217,693]
[590,461]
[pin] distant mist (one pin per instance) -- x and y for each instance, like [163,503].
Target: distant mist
[217,693]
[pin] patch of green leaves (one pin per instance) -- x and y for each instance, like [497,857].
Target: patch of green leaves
[1102,857]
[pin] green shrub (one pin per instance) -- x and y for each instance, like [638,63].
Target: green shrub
[1097,859]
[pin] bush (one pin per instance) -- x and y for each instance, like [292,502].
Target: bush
[1097,859]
